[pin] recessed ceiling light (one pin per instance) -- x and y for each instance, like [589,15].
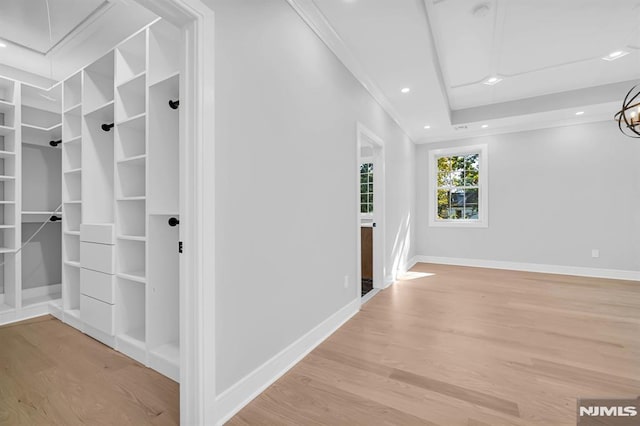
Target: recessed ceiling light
[579,112]
[3,44]
[615,55]
[484,126]
[405,90]
[492,80]
[427,127]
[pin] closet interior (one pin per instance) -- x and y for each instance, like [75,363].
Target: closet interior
[90,165]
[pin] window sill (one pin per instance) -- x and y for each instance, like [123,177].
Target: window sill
[458,224]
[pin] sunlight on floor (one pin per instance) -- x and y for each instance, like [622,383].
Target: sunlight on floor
[412,275]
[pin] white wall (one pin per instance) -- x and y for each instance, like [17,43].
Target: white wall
[286,170]
[554,195]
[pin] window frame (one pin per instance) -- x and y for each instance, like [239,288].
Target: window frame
[483,197]
[367,215]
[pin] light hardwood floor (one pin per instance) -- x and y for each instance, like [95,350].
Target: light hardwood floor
[51,374]
[467,346]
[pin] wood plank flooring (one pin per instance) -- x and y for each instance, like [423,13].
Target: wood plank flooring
[453,346]
[52,374]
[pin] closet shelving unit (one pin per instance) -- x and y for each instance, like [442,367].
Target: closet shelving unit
[39,184]
[9,135]
[110,266]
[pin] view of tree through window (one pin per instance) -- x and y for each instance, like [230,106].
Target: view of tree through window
[457,186]
[366,188]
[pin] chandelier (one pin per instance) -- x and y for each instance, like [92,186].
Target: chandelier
[629,116]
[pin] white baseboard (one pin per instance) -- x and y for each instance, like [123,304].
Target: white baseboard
[240,394]
[615,274]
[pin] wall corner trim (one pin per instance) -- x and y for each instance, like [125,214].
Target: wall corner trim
[232,400]
[615,274]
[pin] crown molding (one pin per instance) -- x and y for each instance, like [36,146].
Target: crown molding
[316,20]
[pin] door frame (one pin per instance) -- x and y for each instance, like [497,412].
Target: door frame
[197,141]
[365,135]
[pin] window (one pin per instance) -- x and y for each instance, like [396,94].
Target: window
[457,186]
[366,188]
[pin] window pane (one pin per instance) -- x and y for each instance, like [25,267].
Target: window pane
[363,208]
[370,177]
[370,200]
[370,208]
[443,204]
[363,198]
[363,188]
[370,187]
[471,211]
[471,196]
[457,198]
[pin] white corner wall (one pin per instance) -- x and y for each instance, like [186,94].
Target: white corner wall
[286,170]
[554,195]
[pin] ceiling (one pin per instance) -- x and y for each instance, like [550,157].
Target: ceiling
[547,53]
[26,22]
[80,32]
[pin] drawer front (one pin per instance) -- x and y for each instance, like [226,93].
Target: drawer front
[102,233]
[97,285]
[97,314]
[97,257]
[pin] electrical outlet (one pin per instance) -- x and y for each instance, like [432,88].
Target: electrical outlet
[595,253]
[346,281]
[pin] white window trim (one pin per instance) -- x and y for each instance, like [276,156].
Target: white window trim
[483,196]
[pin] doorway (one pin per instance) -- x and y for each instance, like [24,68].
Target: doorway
[370,213]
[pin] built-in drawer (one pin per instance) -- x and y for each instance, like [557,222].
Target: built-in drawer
[97,257]
[97,314]
[98,285]
[102,233]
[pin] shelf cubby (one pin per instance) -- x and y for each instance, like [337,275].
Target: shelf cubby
[72,247]
[163,147]
[98,166]
[131,177]
[72,155]
[41,263]
[72,91]
[98,83]
[131,219]
[72,186]
[7,114]
[130,318]
[131,260]
[130,99]
[72,124]
[131,58]
[164,48]
[71,292]
[7,90]
[72,215]
[130,137]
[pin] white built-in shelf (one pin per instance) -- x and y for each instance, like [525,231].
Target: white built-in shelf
[47,298]
[140,198]
[73,202]
[73,312]
[74,110]
[103,112]
[4,250]
[6,107]
[7,226]
[137,276]
[132,80]
[72,263]
[7,178]
[6,131]
[134,161]
[38,216]
[132,238]
[30,132]
[137,120]
[7,202]
[76,233]
[72,140]
[7,154]
[73,171]
[135,336]
[164,78]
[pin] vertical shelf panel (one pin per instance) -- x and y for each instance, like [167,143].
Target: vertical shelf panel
[164,48]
